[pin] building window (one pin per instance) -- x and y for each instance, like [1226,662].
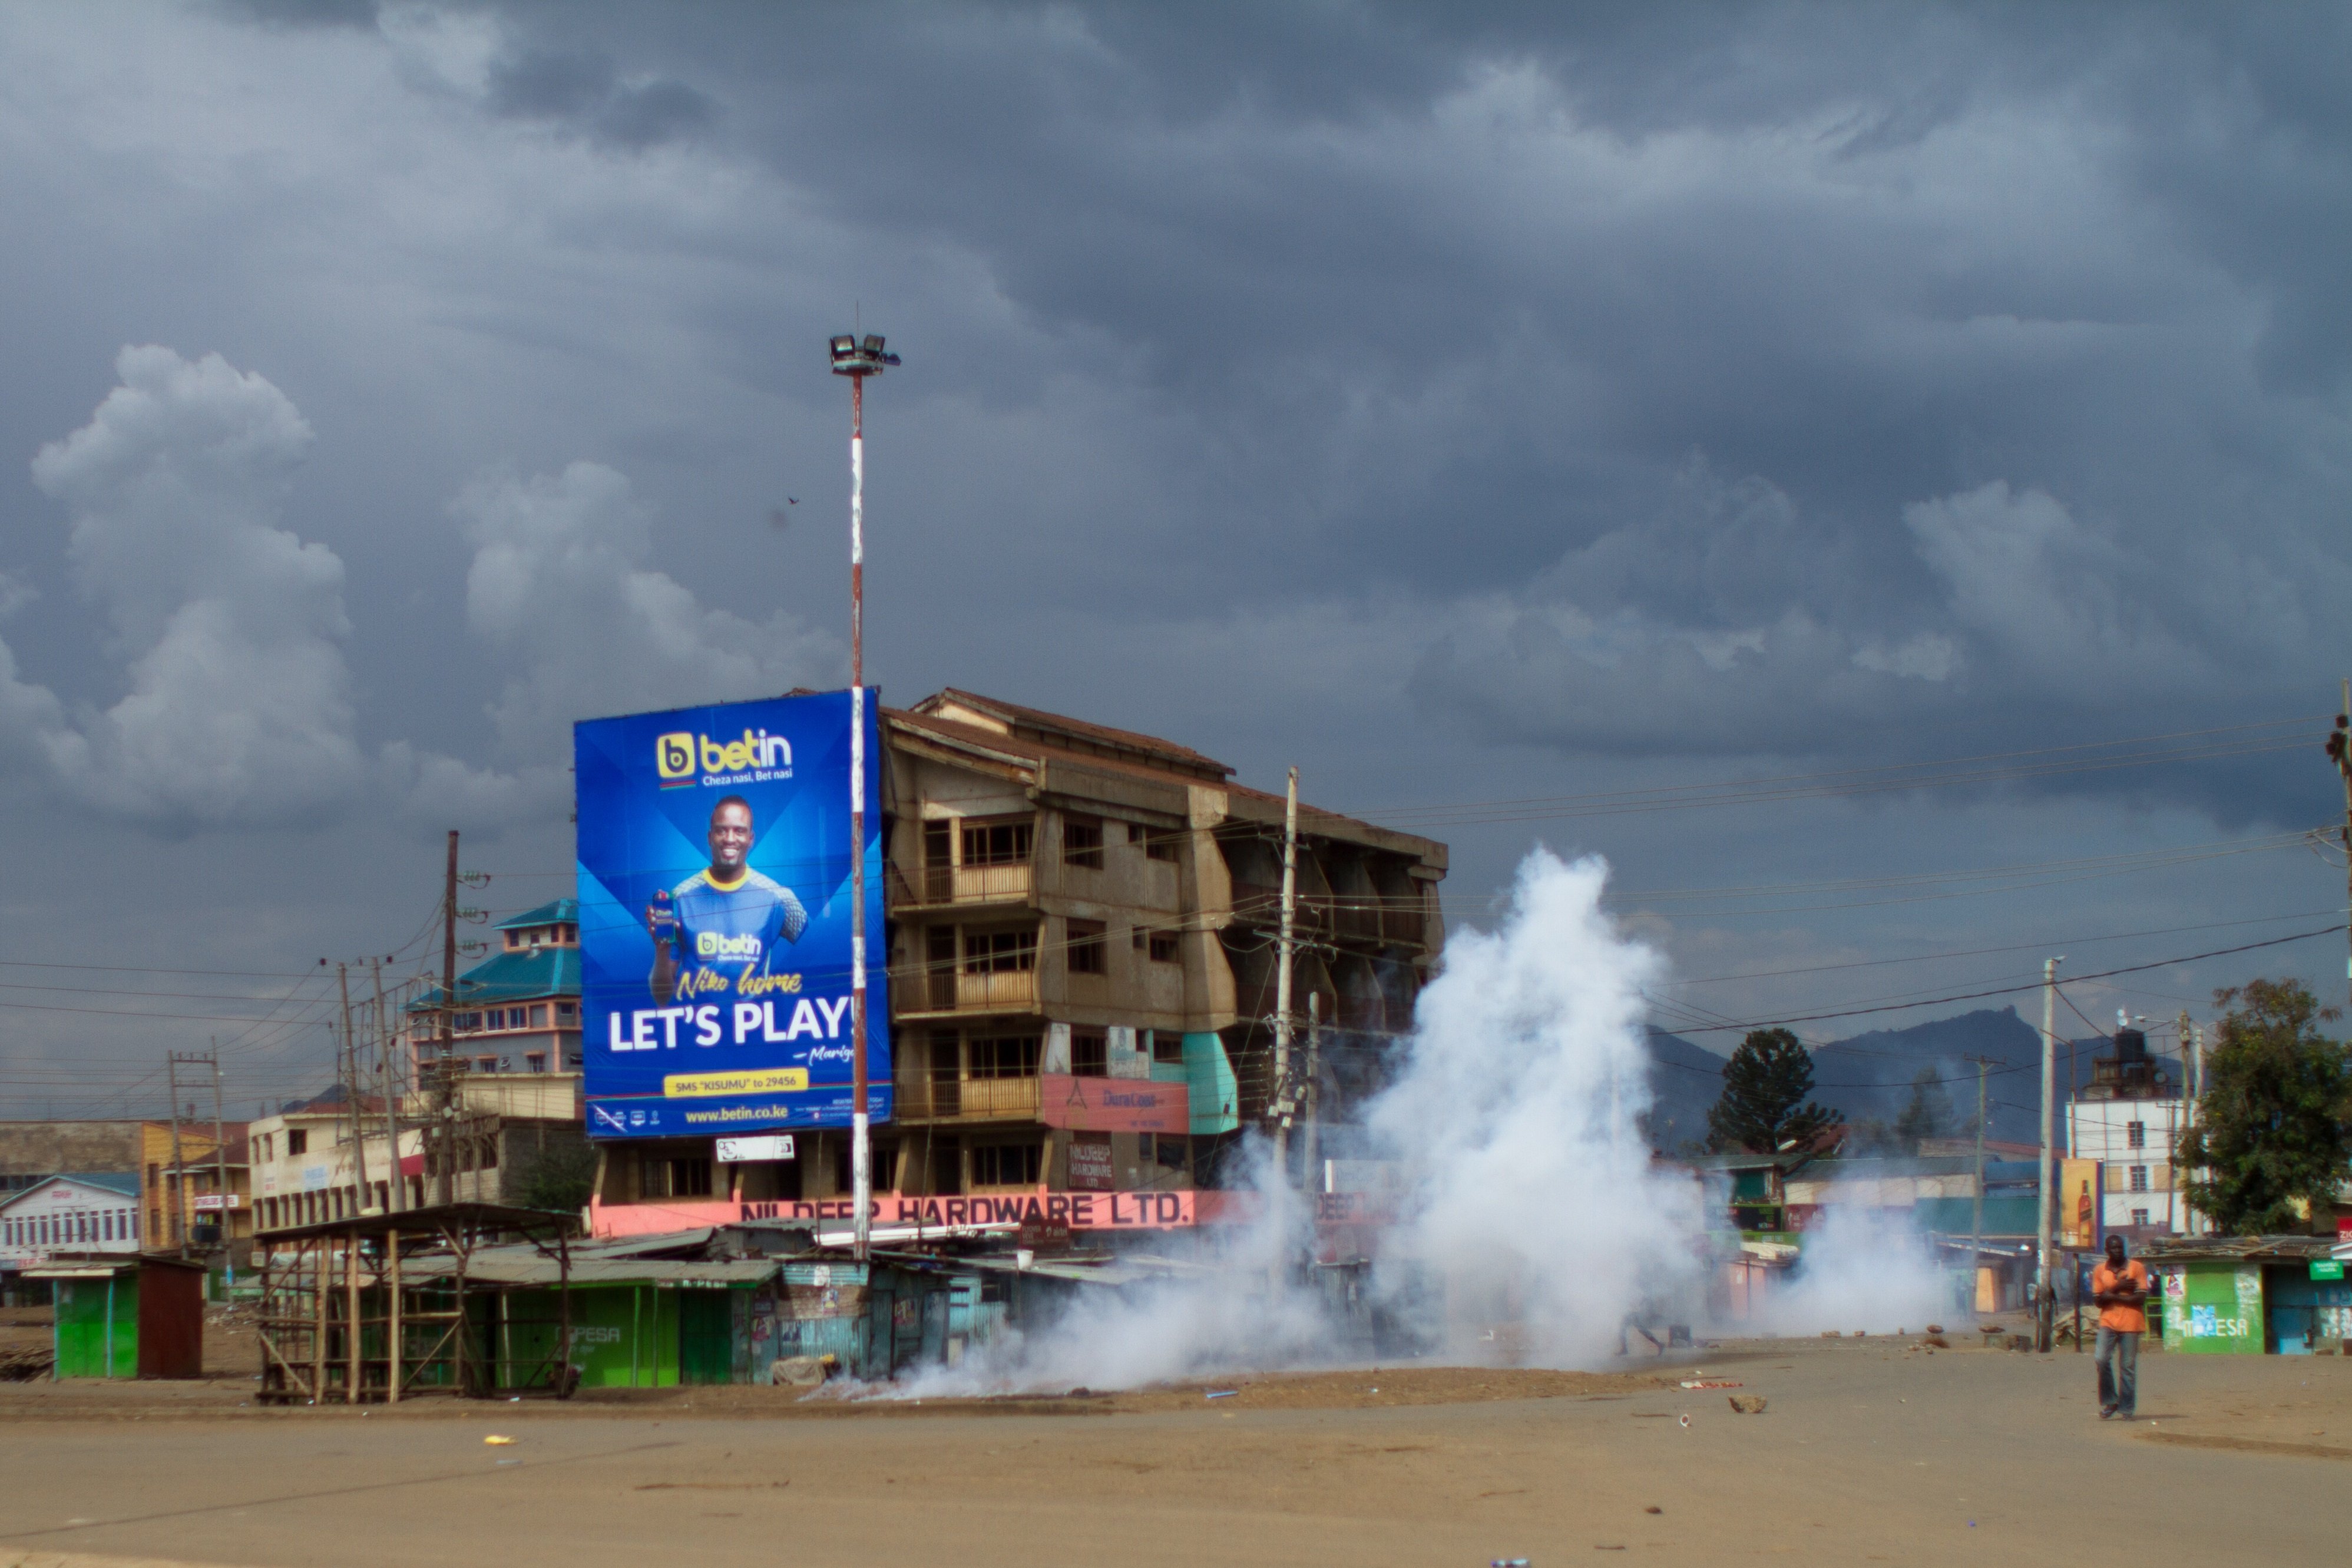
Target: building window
[466,1021]
[997,842]
[539,1017]
[1012,1056]
[1172,1150]
[534,1061]
[1000,952]
[1086,953]
[567,1013]
[2135,1134]
[298,1141]
[1081,842]
[2139,1216]
[882,1167]
[1006,1165]
[681,1178]
[2139,1178]
[1161,846]
[1167,1046]
[1090,1056]
[1163,946]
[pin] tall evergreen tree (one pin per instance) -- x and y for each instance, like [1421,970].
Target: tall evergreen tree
[1764,1103]
[1927,1114]
[2270,1138]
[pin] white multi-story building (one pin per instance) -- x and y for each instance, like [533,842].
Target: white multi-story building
[2130,1118]
[70,1214]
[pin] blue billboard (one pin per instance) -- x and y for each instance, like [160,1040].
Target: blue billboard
[715,918]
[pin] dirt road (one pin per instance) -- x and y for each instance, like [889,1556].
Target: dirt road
[1865,1453]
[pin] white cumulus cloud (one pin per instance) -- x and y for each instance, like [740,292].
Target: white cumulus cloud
[559,582]
[230,628]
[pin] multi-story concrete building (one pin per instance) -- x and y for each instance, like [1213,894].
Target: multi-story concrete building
[518,1011]
[2129,1117]
[1068,902]
[499,1125]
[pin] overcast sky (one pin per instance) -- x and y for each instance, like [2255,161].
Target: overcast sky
[1465,404]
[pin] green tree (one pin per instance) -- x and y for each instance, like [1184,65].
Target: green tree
[559,1178]
[1764,1103]
[2270,1141]
[1927,1114]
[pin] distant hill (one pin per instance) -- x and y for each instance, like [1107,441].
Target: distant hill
[1868,1077]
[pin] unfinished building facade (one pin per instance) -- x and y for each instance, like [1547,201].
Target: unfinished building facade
[1078,915]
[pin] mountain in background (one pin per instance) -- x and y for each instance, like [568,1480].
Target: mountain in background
[1869,1076]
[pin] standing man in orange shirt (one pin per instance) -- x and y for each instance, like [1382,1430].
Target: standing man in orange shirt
[2120,1291]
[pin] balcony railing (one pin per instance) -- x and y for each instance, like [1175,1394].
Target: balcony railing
[924,989]
[942,1095]
[1009,883]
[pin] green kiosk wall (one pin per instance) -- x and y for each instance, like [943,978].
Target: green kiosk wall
[98,1326]
[635,1334]
[2213,1308]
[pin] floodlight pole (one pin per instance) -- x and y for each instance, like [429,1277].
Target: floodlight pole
[857,361]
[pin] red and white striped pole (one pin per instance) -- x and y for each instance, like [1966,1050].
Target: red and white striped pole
[858,360]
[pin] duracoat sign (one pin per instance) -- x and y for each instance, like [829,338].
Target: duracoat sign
[715,926]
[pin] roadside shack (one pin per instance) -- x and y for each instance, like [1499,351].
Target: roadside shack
[127,1317]
[2252,1295]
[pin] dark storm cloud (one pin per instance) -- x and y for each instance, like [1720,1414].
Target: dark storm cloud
[581,88]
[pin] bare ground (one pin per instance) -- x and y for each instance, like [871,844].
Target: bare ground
[1868,1450]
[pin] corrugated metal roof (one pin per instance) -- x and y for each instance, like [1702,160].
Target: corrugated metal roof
[563,912]
[121,1184]
[507,1270]
[511,977]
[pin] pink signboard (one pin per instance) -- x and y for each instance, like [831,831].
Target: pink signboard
[1080,1211]
[1113,1104]
[1090,1165]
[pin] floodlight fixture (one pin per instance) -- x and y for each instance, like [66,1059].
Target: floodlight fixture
[852,357]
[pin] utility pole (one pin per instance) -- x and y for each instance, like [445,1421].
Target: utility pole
[440,1153]
[2045,1201]
[2339,748]
[220,1154]
[1312,1161]
[1282,1109]
[352,1087]
[396,1183]
[1976,1213]
[858,359]
[173,1181]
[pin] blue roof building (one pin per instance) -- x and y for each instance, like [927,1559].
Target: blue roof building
[518,1010]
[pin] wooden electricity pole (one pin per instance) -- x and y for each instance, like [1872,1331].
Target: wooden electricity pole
[352,1087]
[395,1181]
[173,1180]
[1976,1216]
[440,1137]
[1282,1109]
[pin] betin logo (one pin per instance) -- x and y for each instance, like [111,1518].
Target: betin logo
[710,944]
[678,758]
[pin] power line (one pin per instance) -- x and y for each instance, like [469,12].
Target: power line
[2012,990]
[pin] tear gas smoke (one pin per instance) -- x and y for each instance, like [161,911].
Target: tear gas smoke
[1860,1270]
[1533,1212]
[1516,1115]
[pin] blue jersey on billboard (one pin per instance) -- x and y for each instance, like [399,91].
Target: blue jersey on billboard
[715,918]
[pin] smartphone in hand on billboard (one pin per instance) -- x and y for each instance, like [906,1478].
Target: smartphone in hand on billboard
[715,918]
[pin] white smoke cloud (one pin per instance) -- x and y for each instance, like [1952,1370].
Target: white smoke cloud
[558,580]
[230,628]
[1515,1113]
[1859,1270]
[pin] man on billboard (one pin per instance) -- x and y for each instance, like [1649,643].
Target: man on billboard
[722,924]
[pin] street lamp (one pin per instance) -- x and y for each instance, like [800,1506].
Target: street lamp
[857,359]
